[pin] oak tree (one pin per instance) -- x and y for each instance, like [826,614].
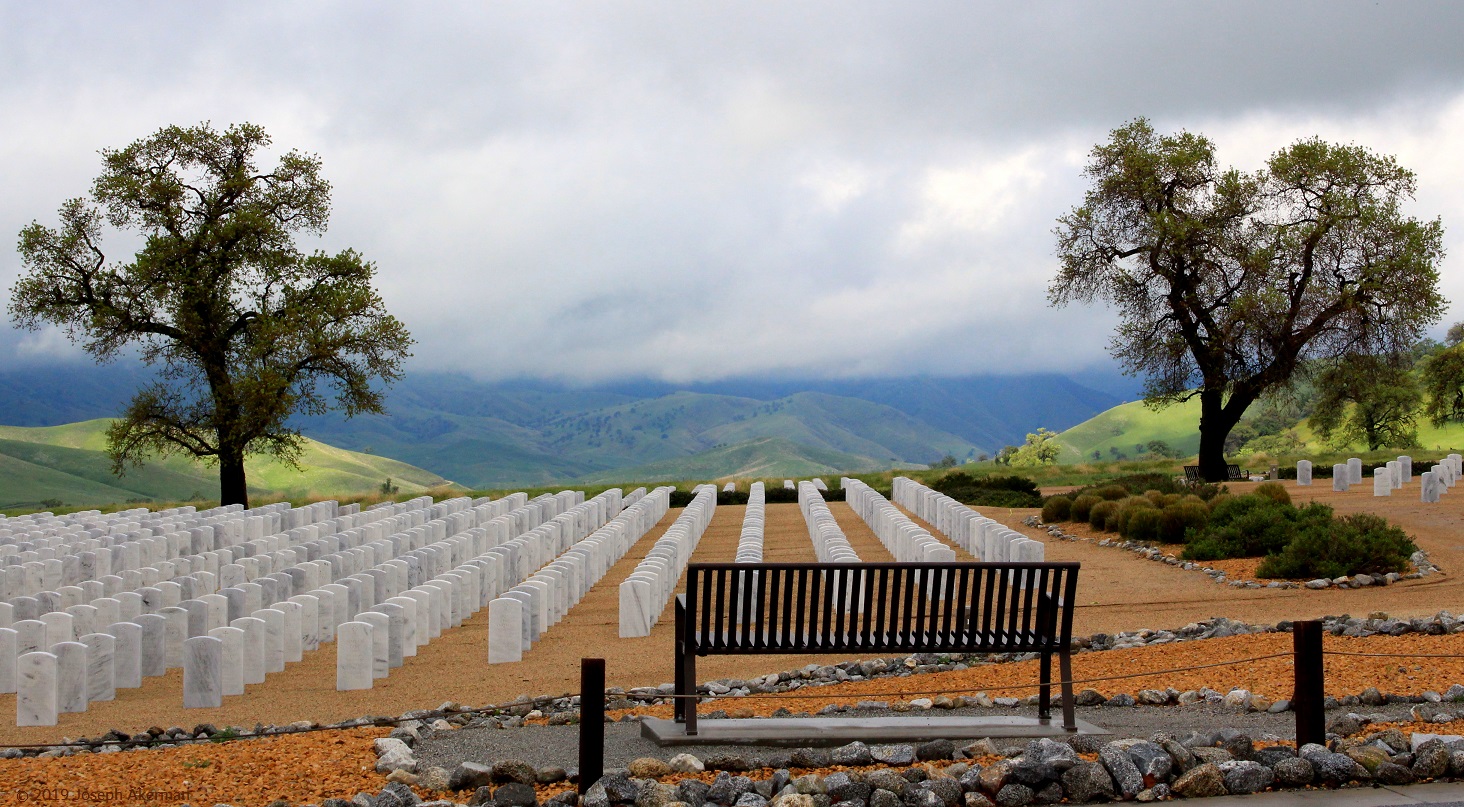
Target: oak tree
[1369,399]
[244,327]
[1226,282]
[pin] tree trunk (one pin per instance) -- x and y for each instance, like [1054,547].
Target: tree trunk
[232,486]
[1216,421]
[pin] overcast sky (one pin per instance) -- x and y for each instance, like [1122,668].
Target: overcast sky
[687,191]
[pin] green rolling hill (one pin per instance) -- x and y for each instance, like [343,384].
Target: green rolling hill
[68,463]
[764,457]
[1129,424]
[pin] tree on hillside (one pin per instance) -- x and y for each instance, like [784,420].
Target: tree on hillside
[1226,282]
[246,329]
[1040,448]
[1370,399]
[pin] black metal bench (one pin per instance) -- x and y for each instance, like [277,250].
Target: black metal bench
[1232,472]
[905,608]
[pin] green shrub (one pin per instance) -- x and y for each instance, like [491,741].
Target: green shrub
[1082,505]
[999,498]
[1111,493]
[1252,526]
[959,480]
[1181,517]
[1274,491]
[1098,515]
[1142,524]
[732,497]
[1125,507]
[1114,520]
[1205,491]
[1057,508]
[989,491]
[1356,544]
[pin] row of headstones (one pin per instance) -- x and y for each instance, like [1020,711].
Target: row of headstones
[644,594]
[1445,475]
[830,545]
[515,620]
[87,576]
[1392,476]
[987,539]
[260,643]
[905,540]
[173,547]
[750,541]
[295,563]
[219,659]
[370,647]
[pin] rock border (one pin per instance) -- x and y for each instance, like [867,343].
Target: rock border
[1080,769]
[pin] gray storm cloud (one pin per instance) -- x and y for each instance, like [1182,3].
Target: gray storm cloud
[692,191]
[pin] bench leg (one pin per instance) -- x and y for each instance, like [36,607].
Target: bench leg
[678,706]
[1065,669]
[688,704]
[1044,688]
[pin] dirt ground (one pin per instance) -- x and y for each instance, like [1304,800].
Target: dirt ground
[1117,591]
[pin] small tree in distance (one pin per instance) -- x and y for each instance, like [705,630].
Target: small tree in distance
[246,329]
[1369,399]
[1040,448]
[1225,283]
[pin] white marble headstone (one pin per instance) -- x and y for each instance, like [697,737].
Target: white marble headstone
[233,658]
[355,652]
[255,642]
[203,672]
[101,675]
[35,680]
[70,676]
[126,654]
[505,630]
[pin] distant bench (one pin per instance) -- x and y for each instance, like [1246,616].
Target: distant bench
[1232,472]
[905,608]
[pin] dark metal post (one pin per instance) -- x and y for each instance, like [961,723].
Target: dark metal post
[592,722]
[1307,697]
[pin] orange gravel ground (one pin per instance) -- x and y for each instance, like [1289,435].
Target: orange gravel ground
[1345,675]
[1117,591]
[340,763]
[298,767]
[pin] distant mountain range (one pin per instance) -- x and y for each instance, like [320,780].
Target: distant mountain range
[529,433]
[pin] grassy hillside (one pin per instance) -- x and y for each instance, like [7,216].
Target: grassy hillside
[763,458]
[1127,425]
[68,463]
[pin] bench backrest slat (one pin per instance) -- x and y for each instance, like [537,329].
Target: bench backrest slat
[912,607]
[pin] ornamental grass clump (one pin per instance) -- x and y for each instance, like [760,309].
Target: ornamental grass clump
[1057,508]
[1082,506]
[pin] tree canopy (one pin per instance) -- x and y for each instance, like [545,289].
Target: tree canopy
[1225,282]
[245,328]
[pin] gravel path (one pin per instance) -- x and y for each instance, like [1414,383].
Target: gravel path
[559,745]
